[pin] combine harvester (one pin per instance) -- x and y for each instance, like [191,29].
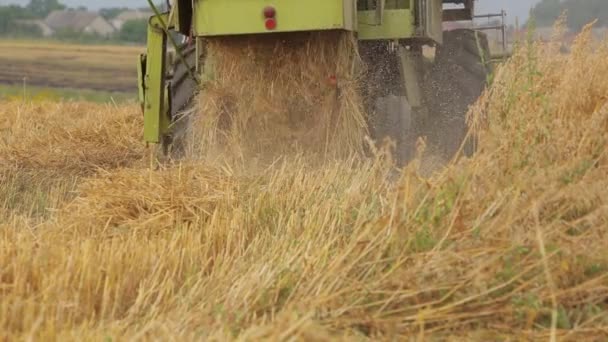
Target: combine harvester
[414,94]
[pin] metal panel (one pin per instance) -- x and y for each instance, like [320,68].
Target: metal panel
[410,66]
[141,84]
[350,15]
[432,19]
[221,17]
[156,121]
[183,16]
[396,24]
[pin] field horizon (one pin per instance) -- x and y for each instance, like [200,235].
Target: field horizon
[54,66]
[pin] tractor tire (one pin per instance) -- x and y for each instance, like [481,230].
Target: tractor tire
[453,83]
[183,92]
[183,87]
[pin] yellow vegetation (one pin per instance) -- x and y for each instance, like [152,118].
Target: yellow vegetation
[98,245]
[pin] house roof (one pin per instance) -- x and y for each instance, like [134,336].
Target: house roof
[75,20]
[46,30]
[133,15]
[30,22]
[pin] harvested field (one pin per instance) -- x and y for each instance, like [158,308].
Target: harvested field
[59,65]
[99,243]
[33,93]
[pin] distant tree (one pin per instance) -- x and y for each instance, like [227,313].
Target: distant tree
[69,35]
[547,11]
[111,13]
[9,15]
[26,30]
[42,8]
[579,13]
[134,31]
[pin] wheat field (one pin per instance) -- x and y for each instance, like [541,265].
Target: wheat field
[100,242]
[60,65]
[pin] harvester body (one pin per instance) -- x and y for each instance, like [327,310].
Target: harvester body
[402,26]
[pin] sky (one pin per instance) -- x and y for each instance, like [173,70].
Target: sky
[514,8]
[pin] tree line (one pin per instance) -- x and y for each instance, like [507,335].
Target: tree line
[12,24]
[579,12]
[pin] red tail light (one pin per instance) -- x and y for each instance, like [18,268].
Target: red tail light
[270,20]
[271,23]
[269,12]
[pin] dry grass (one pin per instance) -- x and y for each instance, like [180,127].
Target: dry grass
[46,147]
[510,244]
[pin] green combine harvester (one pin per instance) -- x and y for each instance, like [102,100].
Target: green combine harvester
[414,94]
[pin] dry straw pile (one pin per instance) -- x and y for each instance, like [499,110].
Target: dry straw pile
[508,245]
[73,137]
[268,97]
[45,147]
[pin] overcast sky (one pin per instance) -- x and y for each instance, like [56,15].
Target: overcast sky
[514,8]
